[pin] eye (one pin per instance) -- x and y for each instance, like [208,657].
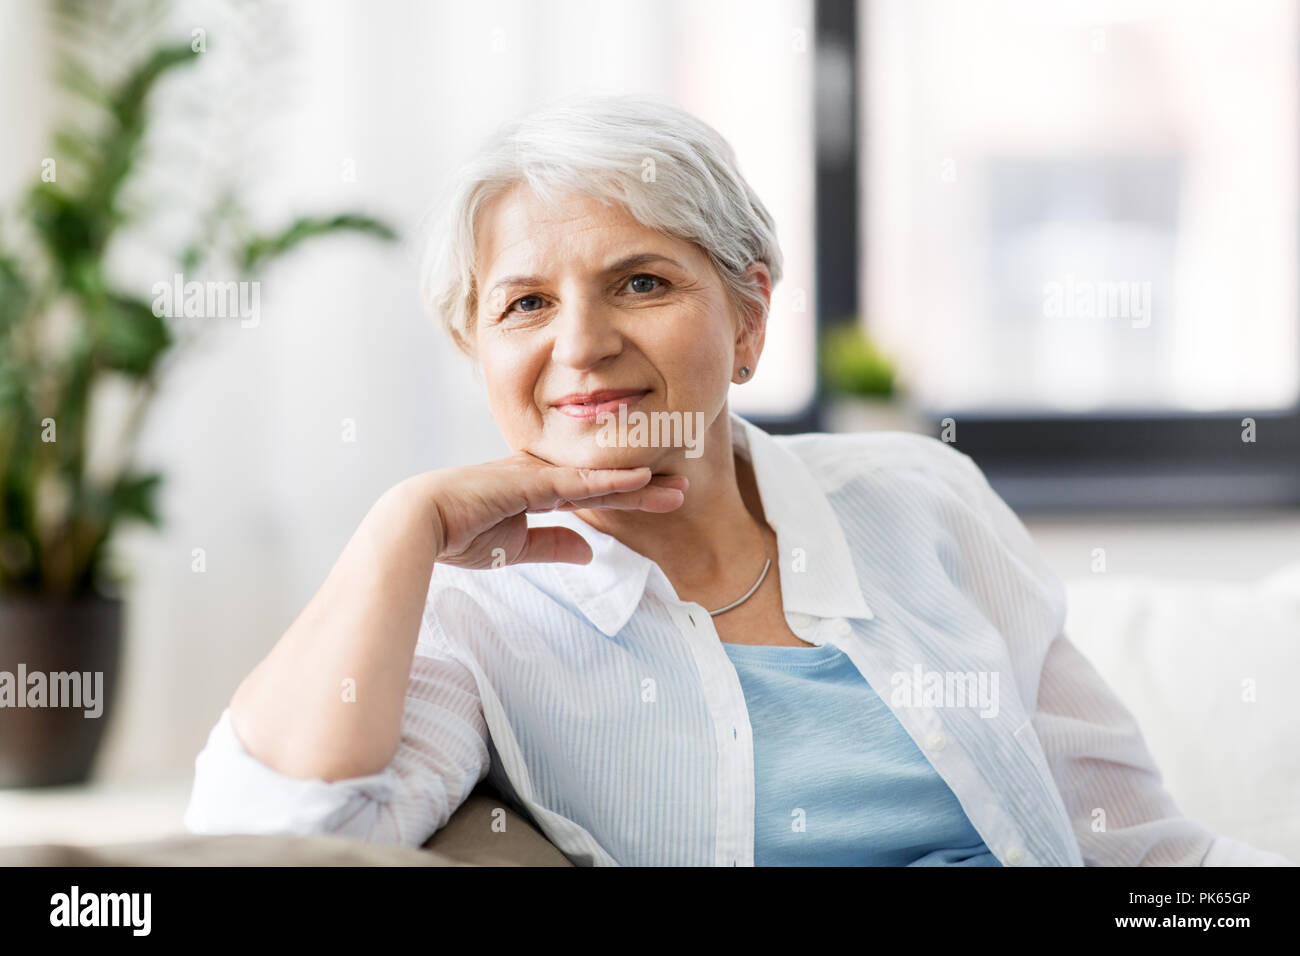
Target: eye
[639,283]
[520,302]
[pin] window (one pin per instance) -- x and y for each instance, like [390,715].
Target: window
[1081,233]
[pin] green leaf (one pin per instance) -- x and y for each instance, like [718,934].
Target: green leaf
[76,78]
[129,337]
[134,497]
[13,387]
[14,295]
[261,250]
[119,148]
[69,228]
[128,103]
[74,145]
[852,365]
[77,225]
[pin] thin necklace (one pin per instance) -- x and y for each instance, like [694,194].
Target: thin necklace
[748,594]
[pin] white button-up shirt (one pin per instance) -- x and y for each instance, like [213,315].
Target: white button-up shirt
[606,709]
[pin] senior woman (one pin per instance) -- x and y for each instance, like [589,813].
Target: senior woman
[736,650]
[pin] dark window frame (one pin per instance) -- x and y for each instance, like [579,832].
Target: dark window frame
[835,191]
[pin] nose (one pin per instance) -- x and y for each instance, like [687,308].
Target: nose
[585,334]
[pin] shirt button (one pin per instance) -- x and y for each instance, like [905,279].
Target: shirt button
[1015,856]
[937,741]
[843,628]
[798,620]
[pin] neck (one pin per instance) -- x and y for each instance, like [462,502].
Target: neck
[713,546]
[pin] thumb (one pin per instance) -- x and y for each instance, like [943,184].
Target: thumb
[547,545]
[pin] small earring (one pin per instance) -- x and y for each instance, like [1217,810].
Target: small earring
[744,371]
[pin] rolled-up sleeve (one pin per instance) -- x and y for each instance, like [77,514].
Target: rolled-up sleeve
[442,754]
[1119,809]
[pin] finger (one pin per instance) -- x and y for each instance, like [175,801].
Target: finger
[680,482]
[652,498]
[554,545]
[555,485]
[643,499]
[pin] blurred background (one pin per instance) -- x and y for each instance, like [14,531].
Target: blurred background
[1062,236]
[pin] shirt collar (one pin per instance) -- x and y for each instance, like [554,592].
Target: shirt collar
[817,573]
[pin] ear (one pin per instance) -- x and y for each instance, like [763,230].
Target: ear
[751,329]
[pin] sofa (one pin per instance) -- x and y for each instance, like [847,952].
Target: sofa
[1208,671]
[468,839]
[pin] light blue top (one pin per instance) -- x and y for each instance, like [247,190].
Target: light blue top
[838,781]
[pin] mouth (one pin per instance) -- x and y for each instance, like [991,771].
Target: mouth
[588,405]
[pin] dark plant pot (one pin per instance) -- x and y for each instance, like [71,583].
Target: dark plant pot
[50,745]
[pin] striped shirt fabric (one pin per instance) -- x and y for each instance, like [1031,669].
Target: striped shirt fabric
[608,711]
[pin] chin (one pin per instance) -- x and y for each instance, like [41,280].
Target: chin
[586,453]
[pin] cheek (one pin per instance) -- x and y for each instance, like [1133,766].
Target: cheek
[509,375]
[697,349]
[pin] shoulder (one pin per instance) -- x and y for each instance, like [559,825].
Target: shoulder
[916,483]
[839,460]
[921,513]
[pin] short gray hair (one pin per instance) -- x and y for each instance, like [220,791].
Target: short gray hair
[671,171]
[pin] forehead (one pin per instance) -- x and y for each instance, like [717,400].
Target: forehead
[519,232]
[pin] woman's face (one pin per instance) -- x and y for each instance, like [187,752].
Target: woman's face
[586,300]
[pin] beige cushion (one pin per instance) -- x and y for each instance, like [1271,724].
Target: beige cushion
[468,839]
[232,850]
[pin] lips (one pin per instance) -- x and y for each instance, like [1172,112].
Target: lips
[586,406]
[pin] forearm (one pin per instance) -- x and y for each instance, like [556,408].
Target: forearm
[327,701]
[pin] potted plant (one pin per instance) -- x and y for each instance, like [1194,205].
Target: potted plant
[66,328]
[861,383]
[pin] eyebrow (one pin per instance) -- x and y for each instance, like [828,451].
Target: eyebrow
[627,262]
